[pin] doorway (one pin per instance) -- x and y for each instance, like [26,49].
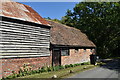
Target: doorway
[56,57]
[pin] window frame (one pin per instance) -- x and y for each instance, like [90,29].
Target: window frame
[91,50]
[76,50]
[67,50]
[84,50]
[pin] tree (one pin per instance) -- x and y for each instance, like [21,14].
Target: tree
[100,21]
[56,20]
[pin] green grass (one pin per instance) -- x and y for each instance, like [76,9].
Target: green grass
[101,63]
[60,74]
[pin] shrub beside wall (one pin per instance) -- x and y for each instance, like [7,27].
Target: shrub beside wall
[27,71]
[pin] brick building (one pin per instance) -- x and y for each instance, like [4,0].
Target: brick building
[69,45]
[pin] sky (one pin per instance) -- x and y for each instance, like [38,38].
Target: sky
[51,9]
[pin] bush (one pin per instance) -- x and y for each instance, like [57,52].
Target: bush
[66,66]
[49,69]
[55,68]
[43,69]
[20,74]
[14,75]
[9,77]
[71,65]
[86,63]
[77,64]
[37,71]
[24,74]
[82,63]
[33,71]
[61,67]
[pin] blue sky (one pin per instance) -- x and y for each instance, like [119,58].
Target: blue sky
[51,9]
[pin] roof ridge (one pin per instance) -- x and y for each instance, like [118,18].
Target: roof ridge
[64,25]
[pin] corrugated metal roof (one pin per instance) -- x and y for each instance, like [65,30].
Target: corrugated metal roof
[20,11]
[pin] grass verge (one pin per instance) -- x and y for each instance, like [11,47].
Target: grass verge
[60,74]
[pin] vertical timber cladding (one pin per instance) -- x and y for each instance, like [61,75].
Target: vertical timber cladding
[20,40]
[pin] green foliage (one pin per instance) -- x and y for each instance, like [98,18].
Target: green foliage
[78,64]
[71,65]
[43,69]
[75,64]
[82,63]
[10,77]
[67,66]
[85,63]
[61,67]
[20,74]
[49,69]
[34,71]
[100,21]
[56,20]
[55,68]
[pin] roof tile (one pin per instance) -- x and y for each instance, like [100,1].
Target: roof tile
[65,35]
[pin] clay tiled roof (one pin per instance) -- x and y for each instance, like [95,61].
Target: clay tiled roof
[9,8]
[65,35]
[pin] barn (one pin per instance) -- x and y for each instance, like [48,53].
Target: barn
[28,39]
[24,38]
[69,45]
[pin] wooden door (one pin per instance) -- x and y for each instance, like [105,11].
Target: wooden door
[56,58]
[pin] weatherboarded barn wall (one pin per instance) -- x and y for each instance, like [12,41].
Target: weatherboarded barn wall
[23,44]
[19,40]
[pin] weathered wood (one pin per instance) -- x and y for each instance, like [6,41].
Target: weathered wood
[21,26]
[11,56]
[4,45]
[19,40]
[22,51]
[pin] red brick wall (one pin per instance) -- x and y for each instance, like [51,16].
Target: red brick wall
[9,65]
[76,56]
[0,68]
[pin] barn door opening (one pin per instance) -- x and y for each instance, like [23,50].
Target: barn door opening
[56,57]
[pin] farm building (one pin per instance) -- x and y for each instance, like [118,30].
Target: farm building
[28,39]
[69,45]
[24,38]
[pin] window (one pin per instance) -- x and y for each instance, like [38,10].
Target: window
[84,50]
[91,50]
[65,52]
[76,50]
